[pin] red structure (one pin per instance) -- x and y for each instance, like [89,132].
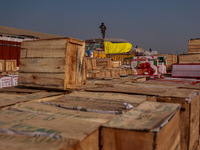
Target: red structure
[10,50]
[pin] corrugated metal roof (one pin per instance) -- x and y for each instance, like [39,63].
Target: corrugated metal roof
[15,31]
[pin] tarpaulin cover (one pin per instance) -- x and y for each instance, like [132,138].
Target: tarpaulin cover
[111,48]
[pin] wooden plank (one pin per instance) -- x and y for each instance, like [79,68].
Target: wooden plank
[42,65]
[134,100]
[80,66]
[45,80]
[46,52]
[129,89]
[88,105]
[188,99]
[46,43]
[12,99]
[70,75]
[138,128]
[86,133]
[18,90]
[41,108]
[195,58]
[193,41]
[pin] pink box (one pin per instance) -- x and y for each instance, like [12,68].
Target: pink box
[186,70]
[6,82]
[14,79]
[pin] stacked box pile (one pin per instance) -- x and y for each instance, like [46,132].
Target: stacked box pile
[104,67]
[194,46]
[189,100]
[189,64]
[95,48]
[148,65]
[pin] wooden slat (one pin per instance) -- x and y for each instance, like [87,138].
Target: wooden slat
[41,108]
[42,65]
[70,74]
[135,100]
[46,44]
[19,90]
[22,142]
[46,52]
[129,89]
[12,99]
[45,80]
[194,41]
[195,58]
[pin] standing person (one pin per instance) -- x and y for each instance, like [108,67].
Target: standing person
[103,29]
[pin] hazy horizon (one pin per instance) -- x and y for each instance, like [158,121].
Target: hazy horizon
[165,26]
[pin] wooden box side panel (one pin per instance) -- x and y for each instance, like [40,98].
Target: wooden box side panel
[116,139]
[91,142]
[169,136]
[45,80]
[45,65]
[184,119]
[195,58]
[194,122]
[75,72]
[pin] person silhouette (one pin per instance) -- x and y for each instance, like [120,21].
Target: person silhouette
[103,30]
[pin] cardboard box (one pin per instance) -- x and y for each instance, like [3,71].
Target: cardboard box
[6,82]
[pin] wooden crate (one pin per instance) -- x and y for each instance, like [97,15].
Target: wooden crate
[150,126]
[117,64]
[53,64]
[2,65]
[194,46]
[90,63]
[189,100]
[189,58]
[76,134]
[103,63]
[11,65]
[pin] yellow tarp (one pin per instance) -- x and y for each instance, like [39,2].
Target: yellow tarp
[111,48]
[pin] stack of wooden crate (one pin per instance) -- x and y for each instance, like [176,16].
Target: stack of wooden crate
[87,121]
[104,67]
[194,46]
[189,64]
[188,99]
